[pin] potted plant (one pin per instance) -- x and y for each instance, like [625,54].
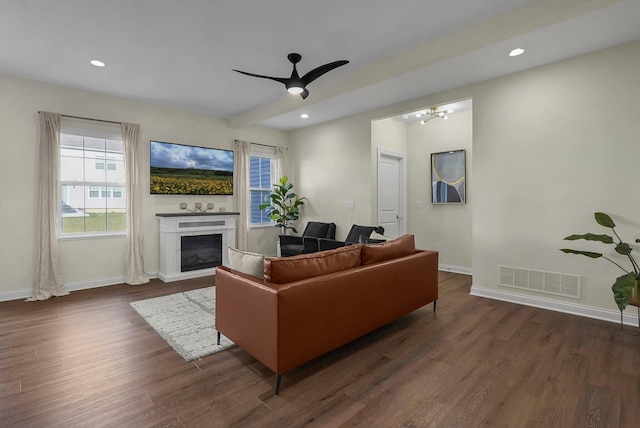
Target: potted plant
[625,289]
[283,206]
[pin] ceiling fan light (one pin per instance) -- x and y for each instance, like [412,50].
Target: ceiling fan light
[295,90]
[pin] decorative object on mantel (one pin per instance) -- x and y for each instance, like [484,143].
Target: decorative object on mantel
[625,289]
[197,208]
[283,207]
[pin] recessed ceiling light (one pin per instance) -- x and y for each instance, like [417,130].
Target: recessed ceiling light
[516,52]
[304,116]
[97,63]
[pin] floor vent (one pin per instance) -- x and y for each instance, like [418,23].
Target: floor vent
[559,284]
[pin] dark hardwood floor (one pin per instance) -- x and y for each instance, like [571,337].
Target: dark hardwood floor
[89,360]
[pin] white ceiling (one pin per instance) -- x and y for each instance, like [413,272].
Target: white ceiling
[181,53]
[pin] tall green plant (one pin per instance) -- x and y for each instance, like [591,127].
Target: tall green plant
[283,206]
[624,284]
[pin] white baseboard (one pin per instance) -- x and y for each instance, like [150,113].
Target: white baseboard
[73,286]
[553,305]
[455,269]
[15,295]
[96,283]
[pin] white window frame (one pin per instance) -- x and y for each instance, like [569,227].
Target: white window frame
[91,129]
[264,153]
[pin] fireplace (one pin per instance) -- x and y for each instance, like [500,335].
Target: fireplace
[192,245]
[200,252]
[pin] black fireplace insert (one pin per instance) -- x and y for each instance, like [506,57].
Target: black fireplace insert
[200,252]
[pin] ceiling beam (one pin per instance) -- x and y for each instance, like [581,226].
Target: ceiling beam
[516,22]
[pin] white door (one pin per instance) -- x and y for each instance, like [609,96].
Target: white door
[391,193]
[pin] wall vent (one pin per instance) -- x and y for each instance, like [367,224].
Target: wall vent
[559,284]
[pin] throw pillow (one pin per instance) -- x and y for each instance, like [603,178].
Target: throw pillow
[367,240]
[246,262]
[400,247]
[281,270]
[375,235]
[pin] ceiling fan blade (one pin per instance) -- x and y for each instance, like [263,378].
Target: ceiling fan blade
[319,71]
[304,94]
[277,79]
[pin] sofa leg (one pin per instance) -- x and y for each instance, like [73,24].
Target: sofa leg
[434,306]
[278,379]
[218,340]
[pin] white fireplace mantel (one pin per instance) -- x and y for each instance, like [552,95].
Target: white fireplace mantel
[174,226]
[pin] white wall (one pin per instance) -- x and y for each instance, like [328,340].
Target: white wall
[332,165]
[551,146]
[442,227]
[95,261]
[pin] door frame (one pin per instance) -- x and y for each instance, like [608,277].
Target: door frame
[383,153]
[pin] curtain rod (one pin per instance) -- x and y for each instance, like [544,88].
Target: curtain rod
[266,145]
[88,118]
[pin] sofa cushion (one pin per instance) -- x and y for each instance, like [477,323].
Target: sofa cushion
[281,270]
[246,262]
[399,247]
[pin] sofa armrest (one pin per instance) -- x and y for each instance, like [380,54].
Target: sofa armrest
[310,244]
[290,240]
[247,313]
[329,244]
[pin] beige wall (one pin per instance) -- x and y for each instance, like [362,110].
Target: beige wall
[551,146]
[90,262]
[332,166]
[445,228]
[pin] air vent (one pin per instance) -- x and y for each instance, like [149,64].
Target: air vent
[559,284]
[209,223]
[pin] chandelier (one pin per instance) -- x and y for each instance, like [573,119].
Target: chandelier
[433,113]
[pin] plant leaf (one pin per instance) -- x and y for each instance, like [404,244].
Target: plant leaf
[583,253]
[605,239]
[604,220]
[623,248]
[622,289]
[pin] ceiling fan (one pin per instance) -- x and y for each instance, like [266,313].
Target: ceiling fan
[296,84]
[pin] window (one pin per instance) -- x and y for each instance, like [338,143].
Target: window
[92,181]
[261,179]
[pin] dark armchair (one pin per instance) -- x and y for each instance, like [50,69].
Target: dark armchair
[307,243]
[357,235]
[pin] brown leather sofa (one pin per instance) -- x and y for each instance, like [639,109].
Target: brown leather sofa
[310,304]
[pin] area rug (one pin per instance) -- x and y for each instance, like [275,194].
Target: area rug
[186,321]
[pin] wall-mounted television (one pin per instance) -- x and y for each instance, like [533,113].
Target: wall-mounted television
[178,169]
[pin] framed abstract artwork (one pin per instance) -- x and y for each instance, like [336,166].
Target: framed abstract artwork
[448,182]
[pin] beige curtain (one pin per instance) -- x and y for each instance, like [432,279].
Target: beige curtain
[134,266]
[243,153]
[280,162]
[47,278]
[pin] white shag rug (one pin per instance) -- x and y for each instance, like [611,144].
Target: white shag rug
[186,321]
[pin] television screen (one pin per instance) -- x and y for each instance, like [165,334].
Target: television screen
[177,169]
